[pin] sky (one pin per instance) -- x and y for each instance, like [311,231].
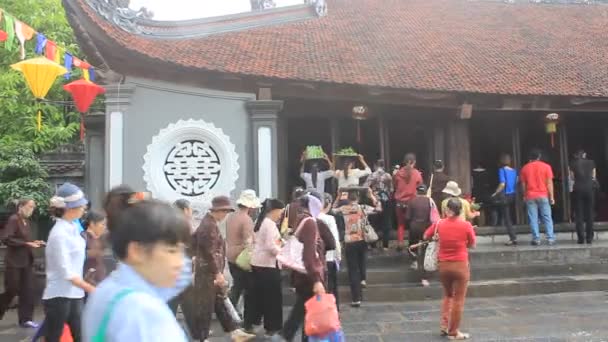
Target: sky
[194,9]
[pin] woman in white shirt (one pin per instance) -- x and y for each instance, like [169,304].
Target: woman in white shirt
[316,178]
[265,298]
[333,257]
[349,175]
[65,256]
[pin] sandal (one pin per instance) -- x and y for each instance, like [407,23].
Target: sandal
[460,336]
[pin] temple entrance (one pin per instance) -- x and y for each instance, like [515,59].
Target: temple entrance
[410,136]
[533,135]
[587,131]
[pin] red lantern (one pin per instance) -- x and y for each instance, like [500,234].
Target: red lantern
[84,93]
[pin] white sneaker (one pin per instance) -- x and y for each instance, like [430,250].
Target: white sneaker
[363,283]
[414,265]
[240,335]
[425,283]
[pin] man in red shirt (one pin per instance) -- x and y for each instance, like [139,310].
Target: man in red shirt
[537,182]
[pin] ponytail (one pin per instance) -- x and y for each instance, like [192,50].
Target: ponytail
[261,216]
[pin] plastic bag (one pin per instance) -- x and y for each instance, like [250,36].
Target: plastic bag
[321,315]
[336,336]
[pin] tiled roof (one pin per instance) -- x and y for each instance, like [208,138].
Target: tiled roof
[438,45]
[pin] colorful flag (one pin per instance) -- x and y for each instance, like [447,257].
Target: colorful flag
[40,43]
[9,27]
[51,50]
[67,63]
[92,74]
[24,33]
[85,74]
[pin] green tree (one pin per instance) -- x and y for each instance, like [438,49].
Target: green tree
[17,105]
[21,175]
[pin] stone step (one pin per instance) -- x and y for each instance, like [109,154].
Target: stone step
[404,274]
[564,253]
[477,289]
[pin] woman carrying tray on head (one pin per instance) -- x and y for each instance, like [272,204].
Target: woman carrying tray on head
[315,178]
[349,175]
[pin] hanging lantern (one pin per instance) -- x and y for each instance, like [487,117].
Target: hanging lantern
[360,113]
[84,93]
[40,74]
[551,121]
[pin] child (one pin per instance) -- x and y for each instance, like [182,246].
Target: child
[94,266]
[148,238]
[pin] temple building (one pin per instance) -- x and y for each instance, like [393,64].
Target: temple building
[213,106]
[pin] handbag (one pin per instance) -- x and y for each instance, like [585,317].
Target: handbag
[291,253]
[321,315]
[434,213]
[432,250]
[243,260]
[369,233]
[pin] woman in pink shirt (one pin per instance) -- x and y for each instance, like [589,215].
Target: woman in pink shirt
[456,236]
[264,300]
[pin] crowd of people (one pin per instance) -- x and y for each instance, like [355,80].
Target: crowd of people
[163,261]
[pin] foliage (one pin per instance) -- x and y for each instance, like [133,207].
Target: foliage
[21,175]
[17,105]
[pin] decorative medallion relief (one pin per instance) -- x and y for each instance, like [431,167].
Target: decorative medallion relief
[191,159]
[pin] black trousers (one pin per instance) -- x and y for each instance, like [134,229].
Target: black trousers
[240,283]
[18,281]
[187,301]
[264,299]
[385,219]
[584,207]
[332,281]
[506,212]
[296,316]
[356,255]
[58,312]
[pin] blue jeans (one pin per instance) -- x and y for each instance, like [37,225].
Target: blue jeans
[543,206]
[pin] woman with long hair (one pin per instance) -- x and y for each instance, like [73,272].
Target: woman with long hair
[406,180]
[504,195]
[65,256]
[264,299]
[349,175]
[456,236]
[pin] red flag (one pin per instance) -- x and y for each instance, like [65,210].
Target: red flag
[51,50]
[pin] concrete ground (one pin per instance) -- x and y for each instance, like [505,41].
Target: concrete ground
[557,317]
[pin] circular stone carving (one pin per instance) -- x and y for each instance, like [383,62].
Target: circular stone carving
[191,159]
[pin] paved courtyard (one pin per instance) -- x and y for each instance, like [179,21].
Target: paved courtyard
[559,317]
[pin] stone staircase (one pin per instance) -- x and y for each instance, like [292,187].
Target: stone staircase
[496,270]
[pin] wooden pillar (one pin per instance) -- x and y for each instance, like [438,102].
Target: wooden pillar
[459,153]
[334,131]
[564,169]
[438,141]
[381,138]
[517,164]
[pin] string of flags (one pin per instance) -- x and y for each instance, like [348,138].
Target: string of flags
[40,73]
[15,31]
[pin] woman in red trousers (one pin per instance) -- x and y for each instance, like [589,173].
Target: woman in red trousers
[455,237]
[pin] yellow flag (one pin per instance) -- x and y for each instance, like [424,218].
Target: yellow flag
[85,74]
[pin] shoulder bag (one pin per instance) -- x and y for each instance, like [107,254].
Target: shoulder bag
[369,233]
[100,334]
[432,250]
[291,253]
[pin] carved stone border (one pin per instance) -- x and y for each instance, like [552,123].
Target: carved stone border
[182,130]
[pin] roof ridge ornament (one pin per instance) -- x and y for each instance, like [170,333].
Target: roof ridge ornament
[119,13]
[319,5]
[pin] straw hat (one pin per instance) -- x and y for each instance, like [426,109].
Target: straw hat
[452,189]
[249,199]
